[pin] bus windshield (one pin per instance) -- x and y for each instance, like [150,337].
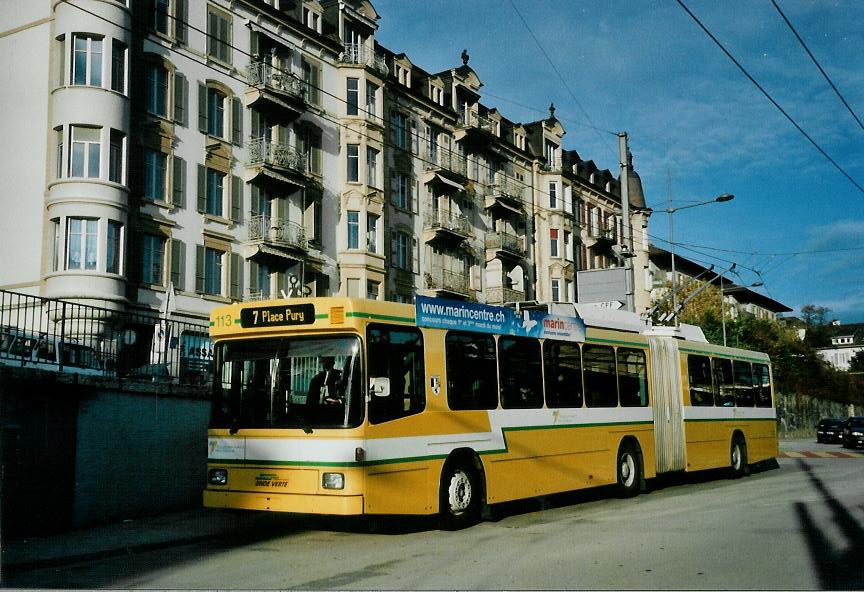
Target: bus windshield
[290,382]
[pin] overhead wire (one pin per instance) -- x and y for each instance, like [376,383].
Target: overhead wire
[769,97]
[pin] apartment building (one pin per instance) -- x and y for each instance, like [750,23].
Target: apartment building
[245,149]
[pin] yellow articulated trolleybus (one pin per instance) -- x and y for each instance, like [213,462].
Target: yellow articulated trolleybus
[348,407]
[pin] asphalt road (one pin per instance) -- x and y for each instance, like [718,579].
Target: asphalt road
[799,526]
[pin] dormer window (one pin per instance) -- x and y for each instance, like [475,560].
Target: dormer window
[519,140]
[403,75]
[437,95]
[312,19]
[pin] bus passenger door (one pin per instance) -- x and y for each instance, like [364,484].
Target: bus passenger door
[666,397]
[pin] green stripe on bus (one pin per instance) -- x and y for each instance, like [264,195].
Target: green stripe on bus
[379,317]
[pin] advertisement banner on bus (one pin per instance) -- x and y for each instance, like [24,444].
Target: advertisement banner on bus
[469,316]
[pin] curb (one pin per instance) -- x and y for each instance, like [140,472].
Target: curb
[791,454]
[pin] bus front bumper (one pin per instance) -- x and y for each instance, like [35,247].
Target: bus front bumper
[340,505]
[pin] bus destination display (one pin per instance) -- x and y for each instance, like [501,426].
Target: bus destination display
[277,316]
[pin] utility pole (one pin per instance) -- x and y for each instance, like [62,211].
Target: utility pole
[627,251]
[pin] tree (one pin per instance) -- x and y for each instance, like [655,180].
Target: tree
[856,364]
[816,319]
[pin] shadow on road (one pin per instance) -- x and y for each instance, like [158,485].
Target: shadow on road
[838,566]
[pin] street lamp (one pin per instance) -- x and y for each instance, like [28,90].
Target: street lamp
[755,284]
[670,210]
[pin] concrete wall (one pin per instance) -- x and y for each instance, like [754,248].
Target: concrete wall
[78,451]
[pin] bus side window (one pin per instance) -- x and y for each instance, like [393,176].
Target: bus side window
[744,386]
[562,367]
[601,388]
[701,385]
[632,378]
[762,379]
[471,371]
[724,383]
[521,377]
[396,353]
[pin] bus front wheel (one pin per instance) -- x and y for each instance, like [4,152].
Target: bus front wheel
[629,471]
[460,496]
[738,464]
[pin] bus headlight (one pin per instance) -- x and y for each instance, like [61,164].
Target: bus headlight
[333,481]
[217,476]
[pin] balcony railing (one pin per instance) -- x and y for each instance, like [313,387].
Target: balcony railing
[446,160]
[508,187]
[283,156]
[357,53]
[502,295]
[444,220]
[268,229]
[443,279]
[553,165]
[475,120]
[505,242]
[263,74]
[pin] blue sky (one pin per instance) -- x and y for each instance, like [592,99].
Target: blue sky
[695,122]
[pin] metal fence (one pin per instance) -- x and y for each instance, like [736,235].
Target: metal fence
[67,336]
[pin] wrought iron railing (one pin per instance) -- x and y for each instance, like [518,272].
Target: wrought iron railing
[471,119]
[277,154]
[443,219]
[65,336]
[357,53]
[443,279]
[508,187]
[502,295]
[505,242]
[263,228]
[264,74]
[442,159]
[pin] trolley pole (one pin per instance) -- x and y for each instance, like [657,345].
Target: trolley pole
[627,250]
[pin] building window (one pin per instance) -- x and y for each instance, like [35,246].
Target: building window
[403,251]
[87,61]
[85,151]
[371,100]
[553,195]
[152,259]
[82,235]
[215,113]
[113,250]
[372,289]
[371,167]
[403,191]
[553,242]
[219,36]
[215,193]
[156,99]
[353,96]
[55,251]
[155,166]
[213,271]
[372,233]
[556,290]
[160,16]
[116,160]
[58,139]
[353,163]
[399,122]
[312,78]
[118,66]
[353,229]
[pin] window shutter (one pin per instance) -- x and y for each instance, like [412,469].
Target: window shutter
[178,264]
[133,257]
[181,92]
[254,286]
[181,13]
[414,190]
[236,276]
[282,283]
[236,199]
[199,269]
[202,107]
[179,187]
[394,245]
[415,261]
[256,124]
[255,199]
[236,121]
[415,146]
[315,165]
[202,188]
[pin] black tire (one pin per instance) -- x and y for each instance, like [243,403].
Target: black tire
[460,497]
[738,464]
[629,471]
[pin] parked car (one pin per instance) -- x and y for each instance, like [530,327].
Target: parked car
[830,430]
[853,432]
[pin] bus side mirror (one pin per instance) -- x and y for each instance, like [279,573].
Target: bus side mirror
[379,386]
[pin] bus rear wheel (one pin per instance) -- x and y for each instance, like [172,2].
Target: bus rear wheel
[629,471]
[460,497]
[738,464]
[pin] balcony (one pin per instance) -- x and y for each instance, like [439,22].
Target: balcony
[447,162]
[277,163]
[275,91]
[446,226]
[552,165]
[360,55]
[597,237]
[505,245]
[445,283]
[275,237]
[502,295]
[506,193]
[475,129]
